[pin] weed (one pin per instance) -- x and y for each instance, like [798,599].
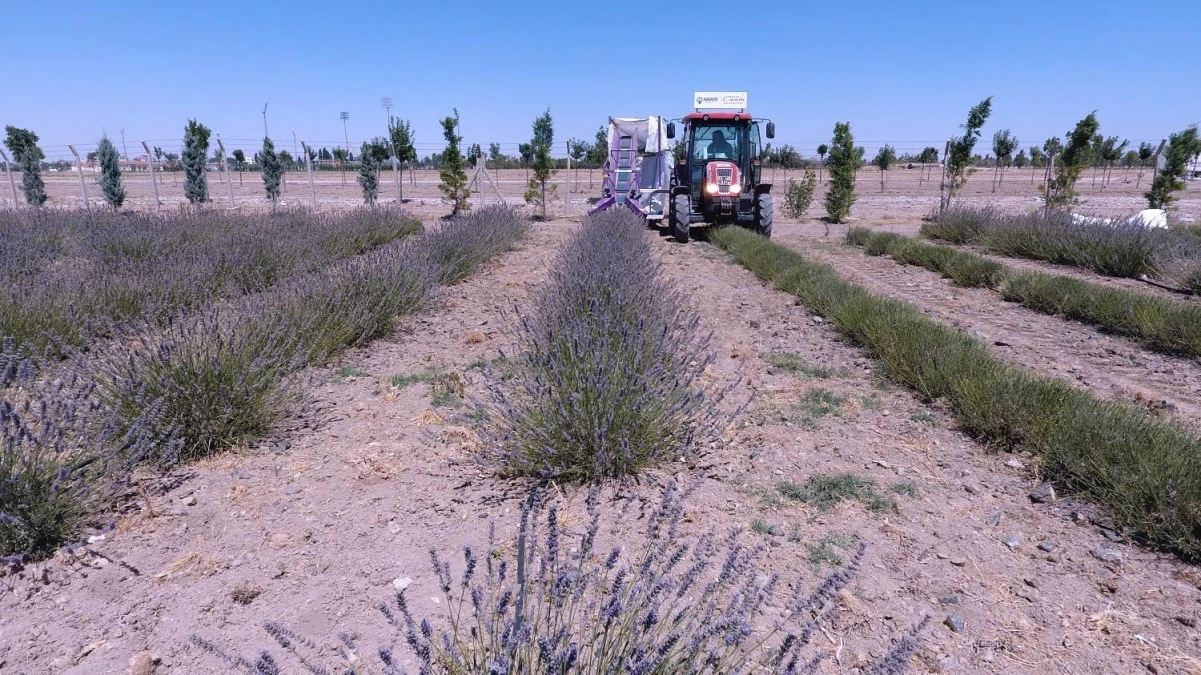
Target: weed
[907,488]
[447,390]
[346,372]
[760,526]
[825,491]
[794,363]
[872,402]
[814,405]
[922,417]
[825,551]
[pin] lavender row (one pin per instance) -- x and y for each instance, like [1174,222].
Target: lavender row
[215,379]
[608,380]
[67,277]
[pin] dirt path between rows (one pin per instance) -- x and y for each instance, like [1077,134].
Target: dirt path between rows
[1113,367]
[312,529]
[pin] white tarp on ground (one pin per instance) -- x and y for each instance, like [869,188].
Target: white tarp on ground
[650,133]
[1149,218]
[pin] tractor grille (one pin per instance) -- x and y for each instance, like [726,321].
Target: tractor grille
[725,177]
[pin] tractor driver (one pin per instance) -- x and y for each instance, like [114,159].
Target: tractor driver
[720,147]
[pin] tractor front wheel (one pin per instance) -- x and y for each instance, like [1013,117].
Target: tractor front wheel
[681,209]
[764,214]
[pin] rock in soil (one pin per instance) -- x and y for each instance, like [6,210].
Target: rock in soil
[954,622]
[1043,494]
[1107,555]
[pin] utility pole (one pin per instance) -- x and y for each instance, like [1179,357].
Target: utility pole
[308,163]
[346,148]
[265,134]
[124,149]
[386,102]
[295,150]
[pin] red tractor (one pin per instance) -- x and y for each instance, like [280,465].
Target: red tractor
[718,172]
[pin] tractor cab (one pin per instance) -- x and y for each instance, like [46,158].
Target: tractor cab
[718,169]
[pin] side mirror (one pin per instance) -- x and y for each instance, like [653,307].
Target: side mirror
[671,129]
[771,129]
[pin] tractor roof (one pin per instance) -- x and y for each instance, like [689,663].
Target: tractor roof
[726,115]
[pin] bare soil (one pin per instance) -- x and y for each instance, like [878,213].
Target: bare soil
[311,528]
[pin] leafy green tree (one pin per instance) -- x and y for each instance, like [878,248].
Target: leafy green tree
[341,156]
[1003,145]
[453,173]
[960,157]
[884,160]
[273,170]
[1072,162]
[23,144]
[845,159]
[1145,152]
[240,163]
[110,173]
[1020,160]
[473,154]
[526,152]
[194,157]
[1037,156]
[821,152]
[495,155]
[1181,148]
[286,160]
[541,163]
[799,196]
[368,173]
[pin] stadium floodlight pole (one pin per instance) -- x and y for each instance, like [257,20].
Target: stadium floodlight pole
[265,134]
[345,134]
[82,183]
[8,169]
[150,163]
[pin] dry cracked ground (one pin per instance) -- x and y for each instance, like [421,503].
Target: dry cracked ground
[313,527]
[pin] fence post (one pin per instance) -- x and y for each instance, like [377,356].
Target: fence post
[942,184]
[308,163]
[158,205]
[1047,184]
[567,199]
[8,169]
[225,170]
[82,183]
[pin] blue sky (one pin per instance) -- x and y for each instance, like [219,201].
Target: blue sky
[895,70]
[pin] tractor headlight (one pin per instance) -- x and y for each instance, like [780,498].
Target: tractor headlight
[711,188]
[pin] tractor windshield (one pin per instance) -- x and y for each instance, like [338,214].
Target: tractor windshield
[718,141]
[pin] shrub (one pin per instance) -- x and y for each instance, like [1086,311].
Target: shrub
[966,269]
[368,174]
[566,606]
[23,144]
[110,173]
[608,379]
[1146,471]
[540,145]
[800,195]
[193,158]
[845,159]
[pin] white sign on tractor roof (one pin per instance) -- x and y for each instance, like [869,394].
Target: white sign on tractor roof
[720,100]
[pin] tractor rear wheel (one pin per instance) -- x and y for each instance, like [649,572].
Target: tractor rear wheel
[765,212]
[681,209]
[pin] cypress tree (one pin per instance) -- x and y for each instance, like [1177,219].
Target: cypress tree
[195,153]
[368,179]
[453,174]
[843,163]
[110,173]
[272,170]
[23,144]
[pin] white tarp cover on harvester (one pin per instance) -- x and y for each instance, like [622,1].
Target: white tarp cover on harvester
[649,132]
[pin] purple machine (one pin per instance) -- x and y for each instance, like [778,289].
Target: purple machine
[638,171]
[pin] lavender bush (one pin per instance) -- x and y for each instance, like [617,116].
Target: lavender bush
[1120,249]
[675,605]
[67,277]
[608,378]
[61,457]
